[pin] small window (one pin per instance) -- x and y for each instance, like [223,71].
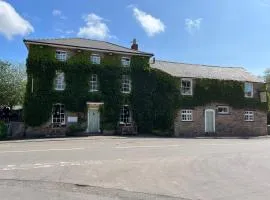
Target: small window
[125,62]
[249,116]
[223,109]
[94,83]
[95,59]
[58,114]
[61,55]
[186,86]
[126,84]
[248,90]
[59,81]
[186,115]
[125,114]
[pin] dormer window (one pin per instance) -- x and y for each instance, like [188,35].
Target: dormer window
[248,90]
[95,59]
[186,86]
[125,62]
[61,55]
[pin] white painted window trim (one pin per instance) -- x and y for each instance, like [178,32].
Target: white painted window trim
[125,84]
[62,52]
[188,113]
[64,122]
[128,63]
[191,86]
[63,85]
[252,90]
[129,119]
[93,82]
[223,113]
[249,115]
[95,55]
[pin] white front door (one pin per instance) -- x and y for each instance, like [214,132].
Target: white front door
[93,121]
[210,121]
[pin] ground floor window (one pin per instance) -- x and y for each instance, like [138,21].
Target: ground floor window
[186,115]
[249,116]
[125,114]
[58,114]
[223,109]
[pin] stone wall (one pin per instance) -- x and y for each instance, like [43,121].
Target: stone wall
[231,124]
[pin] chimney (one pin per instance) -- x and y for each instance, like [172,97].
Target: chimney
[134,45]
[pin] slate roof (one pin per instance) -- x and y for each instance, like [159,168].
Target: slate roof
[205,71]
[87,44]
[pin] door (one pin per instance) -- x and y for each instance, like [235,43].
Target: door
[210,121]
[93,121]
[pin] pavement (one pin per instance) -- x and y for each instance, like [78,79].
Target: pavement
[111,167]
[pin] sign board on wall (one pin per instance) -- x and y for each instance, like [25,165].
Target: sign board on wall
[72,119]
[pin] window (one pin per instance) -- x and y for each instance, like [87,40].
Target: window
[60,81]
[249,116]
[186,115]
[125,114]
[248,89]
[58,114]
[61,55]
[223,109]
[186,86]
[95,59]
[125,62]
[94,83]
[126,84]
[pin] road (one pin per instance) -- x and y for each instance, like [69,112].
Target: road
[109,168]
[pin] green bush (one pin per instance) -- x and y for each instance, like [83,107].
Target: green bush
[3,130]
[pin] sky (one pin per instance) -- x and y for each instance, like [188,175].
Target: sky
[212,32]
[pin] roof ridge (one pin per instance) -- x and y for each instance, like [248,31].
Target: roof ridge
[203,65]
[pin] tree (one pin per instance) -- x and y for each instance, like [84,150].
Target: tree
[12,84]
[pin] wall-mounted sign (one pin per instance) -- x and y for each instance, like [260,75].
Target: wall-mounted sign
[72,119]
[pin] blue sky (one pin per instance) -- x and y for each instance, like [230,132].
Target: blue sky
[214,32]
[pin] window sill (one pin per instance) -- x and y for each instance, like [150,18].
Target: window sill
[93,91]
[187,121]
[186,94]
[59,89]
[249,97]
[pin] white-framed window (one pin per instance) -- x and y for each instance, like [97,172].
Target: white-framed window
[58,114]
[125,61]
[249,116]
[94,83]
[186,86]
[95,59]
[126,84]
[186,115]
[59,81]
[223,110]
[61,55]
[248,89]
[125,114]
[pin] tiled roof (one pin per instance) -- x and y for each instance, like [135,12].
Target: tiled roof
[88,44]
[205,71]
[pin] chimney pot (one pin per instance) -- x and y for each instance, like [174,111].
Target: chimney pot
[134,45]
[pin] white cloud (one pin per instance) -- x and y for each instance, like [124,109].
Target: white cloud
[150,24]
[95,28]
[193,25]
[58,13]
[66,32]
[11,23]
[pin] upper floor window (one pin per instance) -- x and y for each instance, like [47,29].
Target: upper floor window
[61,55]
[94,83]
[126,84]
[59,81]
[248,89]
[186,115]
[125,61]
[125,114]
[249,116]
[95,59]
[186,86]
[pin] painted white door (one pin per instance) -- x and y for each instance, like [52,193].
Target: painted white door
[209,121]
[93,120]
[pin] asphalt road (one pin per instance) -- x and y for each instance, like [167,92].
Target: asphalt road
[135,168]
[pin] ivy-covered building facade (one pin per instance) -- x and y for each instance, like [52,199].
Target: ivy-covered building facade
[91,86]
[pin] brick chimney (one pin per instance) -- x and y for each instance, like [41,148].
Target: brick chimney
[134,45]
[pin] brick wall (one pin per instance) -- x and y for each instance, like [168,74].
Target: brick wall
[231,124]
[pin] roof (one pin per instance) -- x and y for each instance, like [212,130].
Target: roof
[205,71]
[82,43]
